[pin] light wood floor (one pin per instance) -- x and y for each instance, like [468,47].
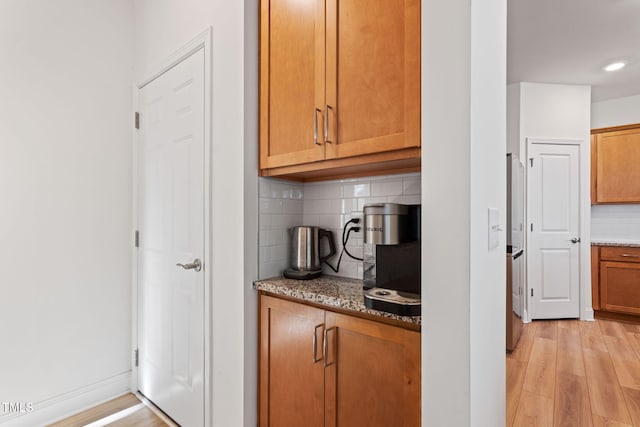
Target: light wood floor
[143,417]
[572,373]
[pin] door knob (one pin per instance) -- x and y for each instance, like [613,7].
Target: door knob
[575,240]
[195,265]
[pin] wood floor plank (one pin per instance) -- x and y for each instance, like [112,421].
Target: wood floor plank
[541,370]
[634,340]
[611,328]
[547,329]
[591,336]
[625,361]
[534,411]
[605,394]
[523,348]
[571,403]
[599,421]
[144,417]
[108,408]
[515,378]
[569,357]
[632,397]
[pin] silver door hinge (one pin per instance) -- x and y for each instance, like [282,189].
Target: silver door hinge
[136,239]
[137,120]
[531,295]
[531,161]
[135,356]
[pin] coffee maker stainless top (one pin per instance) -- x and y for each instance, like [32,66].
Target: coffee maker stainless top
[385,223]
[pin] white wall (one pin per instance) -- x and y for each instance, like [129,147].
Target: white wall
[615,112]
[553,111]
[65,222]
[162,27]
[463,173]
[513,119]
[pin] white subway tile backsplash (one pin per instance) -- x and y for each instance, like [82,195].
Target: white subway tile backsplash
[615,222]
[369,200]
[386,188]
[315,191]
[285,204]
[356,189]
[411,185]
[405,200]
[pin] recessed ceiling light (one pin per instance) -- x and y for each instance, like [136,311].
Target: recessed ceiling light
[615,66]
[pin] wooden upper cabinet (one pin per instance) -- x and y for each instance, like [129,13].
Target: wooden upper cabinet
[614,165]
[373,76]
[339,87]
[292,74]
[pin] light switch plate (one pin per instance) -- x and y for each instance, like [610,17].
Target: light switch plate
[494,228]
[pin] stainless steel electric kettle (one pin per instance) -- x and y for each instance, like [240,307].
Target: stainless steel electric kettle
[305,251]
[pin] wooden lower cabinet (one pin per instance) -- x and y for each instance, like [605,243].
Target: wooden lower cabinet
[616,282]
[620,287]
[321,368]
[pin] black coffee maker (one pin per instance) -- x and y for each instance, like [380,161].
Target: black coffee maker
[391,258]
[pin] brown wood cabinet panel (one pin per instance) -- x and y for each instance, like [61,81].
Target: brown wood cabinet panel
[355,372]
[620,287]
[620,253]
[292,74]
[339,82]
[617,155]
[373,76]
[373,374]
[291,372]
[595,277]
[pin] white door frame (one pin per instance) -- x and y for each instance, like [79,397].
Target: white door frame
[201,41]
[586,308]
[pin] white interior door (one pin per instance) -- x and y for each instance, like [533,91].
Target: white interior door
[554,251]
[171,223]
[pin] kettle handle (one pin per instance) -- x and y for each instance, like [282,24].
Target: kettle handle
[332,244]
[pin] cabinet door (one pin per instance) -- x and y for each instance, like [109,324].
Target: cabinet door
[617,171]
[291,366]
[620,287]
[373,76]
[373,374]
[292,73]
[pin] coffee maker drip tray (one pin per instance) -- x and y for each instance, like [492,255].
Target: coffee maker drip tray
[393,301]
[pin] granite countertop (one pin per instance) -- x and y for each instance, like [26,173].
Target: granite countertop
[615,242]
[329,291]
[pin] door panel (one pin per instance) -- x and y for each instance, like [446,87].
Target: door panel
[373,76]
[171,220]
[620,286]
[617,172]
[554,262]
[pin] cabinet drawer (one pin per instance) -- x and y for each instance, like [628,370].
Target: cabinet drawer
[620,287]
[620,253]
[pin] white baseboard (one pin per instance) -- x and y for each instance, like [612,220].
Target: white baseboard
[587,314]
[62,406]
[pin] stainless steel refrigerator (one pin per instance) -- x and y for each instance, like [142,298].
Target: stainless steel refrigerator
[515,250]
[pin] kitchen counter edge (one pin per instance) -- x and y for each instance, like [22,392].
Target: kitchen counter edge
[333,293]
[632,244]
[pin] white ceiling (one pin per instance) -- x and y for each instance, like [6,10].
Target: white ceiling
[569,41]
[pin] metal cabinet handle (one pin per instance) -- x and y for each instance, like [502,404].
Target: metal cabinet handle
[575,240]
[195,265]
[315,126]
[315,343]
[326,347]
[326,123]
[630,256]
